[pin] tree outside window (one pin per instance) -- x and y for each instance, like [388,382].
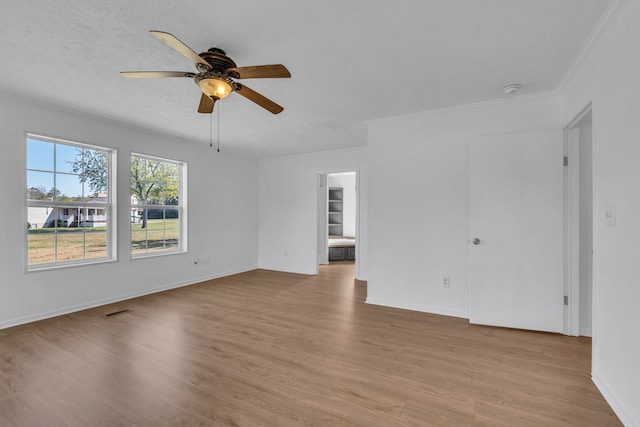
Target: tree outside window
[156,205]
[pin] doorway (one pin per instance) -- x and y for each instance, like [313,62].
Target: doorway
[579,226]
[338,222]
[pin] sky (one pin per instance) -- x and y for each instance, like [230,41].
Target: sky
[49,164]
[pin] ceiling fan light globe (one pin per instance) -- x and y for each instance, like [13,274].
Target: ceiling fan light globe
[215,88]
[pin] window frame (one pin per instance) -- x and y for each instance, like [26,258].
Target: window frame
[181,207]
[109,206]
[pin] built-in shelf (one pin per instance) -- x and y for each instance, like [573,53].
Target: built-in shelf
[335,211]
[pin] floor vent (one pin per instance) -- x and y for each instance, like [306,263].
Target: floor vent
[116,313]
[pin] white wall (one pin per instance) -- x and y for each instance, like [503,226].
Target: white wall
[346,181]
[586,227]
[607,76]
[222,214]
[288,208]
[419,199]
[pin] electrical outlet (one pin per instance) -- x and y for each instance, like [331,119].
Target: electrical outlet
[446,282]
[195,261]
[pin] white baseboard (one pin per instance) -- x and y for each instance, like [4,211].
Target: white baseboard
[585,332]
[97,303]
[613,402]
[418,307]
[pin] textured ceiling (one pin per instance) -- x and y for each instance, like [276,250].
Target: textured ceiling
[351,61]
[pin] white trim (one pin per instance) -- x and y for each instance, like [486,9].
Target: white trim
[77,144]
[463,107]
[36,268]
[613,402]
[164,252]
[97,303]
[585,332]
[157,159]
[581,115]
[566,236]
[322,242]
[573,232]
[572,222]
[594,267]
[417,307]
[63,205]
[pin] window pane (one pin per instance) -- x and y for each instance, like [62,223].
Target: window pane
[66,156]
[70,244]
[138,240]
[39,185]
[94,172]
[38,216]
[96,242]
[69,187]
[41,246]
[54,219]
[139,231]
[67,217]
[172,229]
[39,155]
[155,231]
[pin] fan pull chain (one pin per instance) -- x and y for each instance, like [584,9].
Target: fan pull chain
[218,128]
[210,131]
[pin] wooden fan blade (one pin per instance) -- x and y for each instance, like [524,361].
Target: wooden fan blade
[254,96]
[273,71]
[154,74]
[173,42]
[206,105]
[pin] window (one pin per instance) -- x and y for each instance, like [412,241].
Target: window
[157,205]
[68,203]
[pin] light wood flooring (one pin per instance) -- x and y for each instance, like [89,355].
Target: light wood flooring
[265,348]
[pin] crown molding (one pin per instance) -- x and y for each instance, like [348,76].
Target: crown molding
[612,11]
[464,107]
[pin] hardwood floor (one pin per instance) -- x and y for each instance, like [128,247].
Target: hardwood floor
[274,349]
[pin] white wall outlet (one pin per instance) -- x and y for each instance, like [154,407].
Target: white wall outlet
[446,282]
[195,261]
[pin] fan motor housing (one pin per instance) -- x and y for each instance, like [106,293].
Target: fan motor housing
[218,60]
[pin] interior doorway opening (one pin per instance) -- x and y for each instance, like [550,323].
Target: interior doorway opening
[338,217]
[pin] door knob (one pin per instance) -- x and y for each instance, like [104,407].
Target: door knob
[476,241]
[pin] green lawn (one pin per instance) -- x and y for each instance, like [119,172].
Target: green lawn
[89,243]
[73,244]
[158,235]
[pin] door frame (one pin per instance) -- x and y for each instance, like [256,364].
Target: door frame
[572,224]
[321,218]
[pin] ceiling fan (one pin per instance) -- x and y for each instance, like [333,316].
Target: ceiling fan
[216,74]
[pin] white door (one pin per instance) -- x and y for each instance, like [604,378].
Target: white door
[516,239]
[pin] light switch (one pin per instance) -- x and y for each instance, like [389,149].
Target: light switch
[610,216]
